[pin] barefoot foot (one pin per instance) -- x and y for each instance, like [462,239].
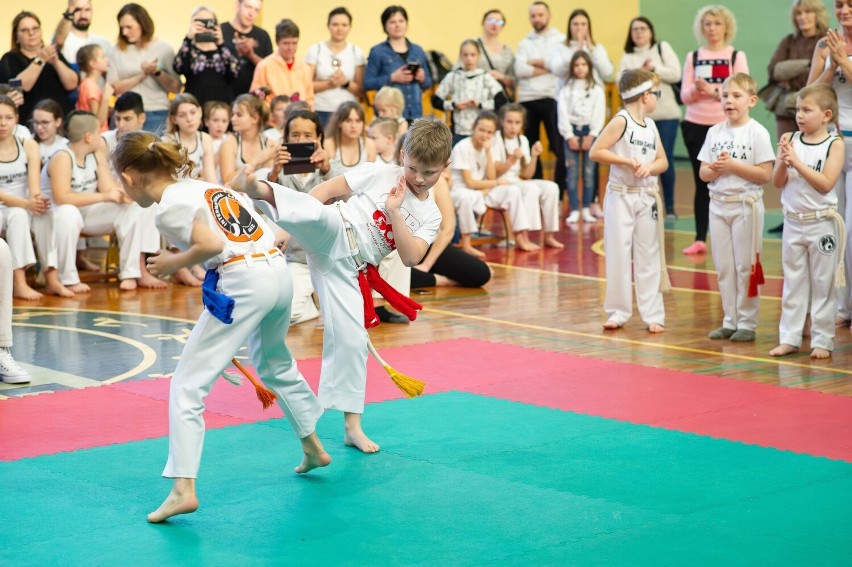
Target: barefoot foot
[783,350]
[149,281]
[86,265]
[185,277]
[198,272]
[128,284]
[315,455]
[354,436]
[820,353]
[612,325]
[527,246]
[26,292]
[55,287]
[474,252]
[551,242]
[656,328]
[181,500]
[79,288]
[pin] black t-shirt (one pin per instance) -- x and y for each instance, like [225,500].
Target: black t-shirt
[48,84]
[264,48]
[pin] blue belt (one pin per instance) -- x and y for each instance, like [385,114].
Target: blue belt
[846,132]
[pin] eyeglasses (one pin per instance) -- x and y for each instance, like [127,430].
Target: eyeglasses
[29,30]
[497,21]
[640,28]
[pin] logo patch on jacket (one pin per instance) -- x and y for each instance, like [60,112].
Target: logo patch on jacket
[234,219]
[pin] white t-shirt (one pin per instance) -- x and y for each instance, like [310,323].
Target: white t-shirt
[13,175]
[322,58]
[229,214]
[797,195]
[638,142]
[272,134]
[466,157]
[84,178]
[23,132]
[749,143]
[74,42]
[46,151]
[501,148]
[365,209]
[578,105]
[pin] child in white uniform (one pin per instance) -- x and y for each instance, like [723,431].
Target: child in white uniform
[218,228]
[47,119]
[515,162]
[736,160]
[387,208]
[476,186]
[808,167]
[633,230]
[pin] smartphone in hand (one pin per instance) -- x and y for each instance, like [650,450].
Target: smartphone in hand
[300,158]
[412,66]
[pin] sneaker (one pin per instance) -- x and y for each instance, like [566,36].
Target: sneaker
[743,336]
[573,218]
[721,333]
[10,371]
[696,247]
[596,210]
[588,216]
[671,217]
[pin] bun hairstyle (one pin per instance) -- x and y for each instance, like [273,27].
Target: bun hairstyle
[150,156]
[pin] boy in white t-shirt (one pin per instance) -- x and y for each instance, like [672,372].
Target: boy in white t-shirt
[736,160]
[388,208]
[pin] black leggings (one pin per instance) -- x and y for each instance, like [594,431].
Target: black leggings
[693,138]
[544,111]
[456,265]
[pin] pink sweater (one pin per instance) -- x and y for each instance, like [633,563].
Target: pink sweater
[714,67]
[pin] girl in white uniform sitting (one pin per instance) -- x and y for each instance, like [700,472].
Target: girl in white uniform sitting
[218,228]
[476,186]
[808,167]
[20,197]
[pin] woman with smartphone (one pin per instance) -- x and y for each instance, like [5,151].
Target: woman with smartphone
[399,63]
[337,66]
[207,64]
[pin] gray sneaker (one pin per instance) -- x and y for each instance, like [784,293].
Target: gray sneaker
[743,336]
[10,371]
[721,333]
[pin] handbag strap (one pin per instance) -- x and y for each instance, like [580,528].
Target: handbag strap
[485,52]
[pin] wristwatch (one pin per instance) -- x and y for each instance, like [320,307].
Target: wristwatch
[38,61]
[158,72]
[69,15]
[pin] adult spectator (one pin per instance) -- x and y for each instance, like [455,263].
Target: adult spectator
[250,43]
[337,66]
[832,64]
[643,51]
[397,62]
[143,64]
[42,70]
[497,57]
[207,64]
[580,39]
[704,71]
[280,73]
[72,33]
[537,85]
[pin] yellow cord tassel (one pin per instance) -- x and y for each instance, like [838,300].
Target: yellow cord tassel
[266,396]
[411,387]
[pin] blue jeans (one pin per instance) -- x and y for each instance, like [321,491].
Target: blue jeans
[572,177]
[155,121]
[324,117]
[668,134]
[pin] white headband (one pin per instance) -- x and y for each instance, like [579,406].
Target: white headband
[646,86]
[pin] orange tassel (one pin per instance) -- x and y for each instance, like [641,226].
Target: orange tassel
[758,270]
[266,396]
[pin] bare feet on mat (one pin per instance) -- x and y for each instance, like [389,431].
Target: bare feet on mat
[656,328]
[181,500]
[56,288]
[840,321]
[26,292]
[149,281]
[86,265]
[185,277]
[128,284]
[315,455]
[611,325]
[355,436]
[198,272]
[783,350]
[474,252]
[551,242]
[79,288]
[527,246]
[820,353]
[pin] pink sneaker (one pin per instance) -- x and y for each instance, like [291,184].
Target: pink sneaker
[696,247]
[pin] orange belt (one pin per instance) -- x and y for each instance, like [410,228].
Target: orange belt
[272,252]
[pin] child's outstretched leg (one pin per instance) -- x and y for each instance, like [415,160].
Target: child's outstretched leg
[315,455]
[181,500]
[354,436]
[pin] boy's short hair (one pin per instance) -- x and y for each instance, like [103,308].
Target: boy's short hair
[79,123]
[286,28]
[743,81]
[278,99]
[385,126]
[130,101]
[294,106]
[824,96]
[429,141]
[633,78]
[391,96]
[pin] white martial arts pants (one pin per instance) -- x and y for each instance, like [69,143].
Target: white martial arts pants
[17,222]
[844,207]
[541,200]
[5,295]
[262,293]
[470,202]
[631,240]
[809,253]
[732,227]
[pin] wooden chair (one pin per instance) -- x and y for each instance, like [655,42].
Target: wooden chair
[498,217]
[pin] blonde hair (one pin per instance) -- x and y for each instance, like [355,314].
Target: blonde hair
[743,81]
[79,123]
[815,6]
[149,156]
[390,96]
[429,141]
[385,126]
[632,78]
[824,96]
[720,12]
[255,106]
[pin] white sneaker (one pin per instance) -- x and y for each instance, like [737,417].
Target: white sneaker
[10,371]
[588,216]
[573,218]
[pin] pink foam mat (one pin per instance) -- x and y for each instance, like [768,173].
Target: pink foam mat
[772,416]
